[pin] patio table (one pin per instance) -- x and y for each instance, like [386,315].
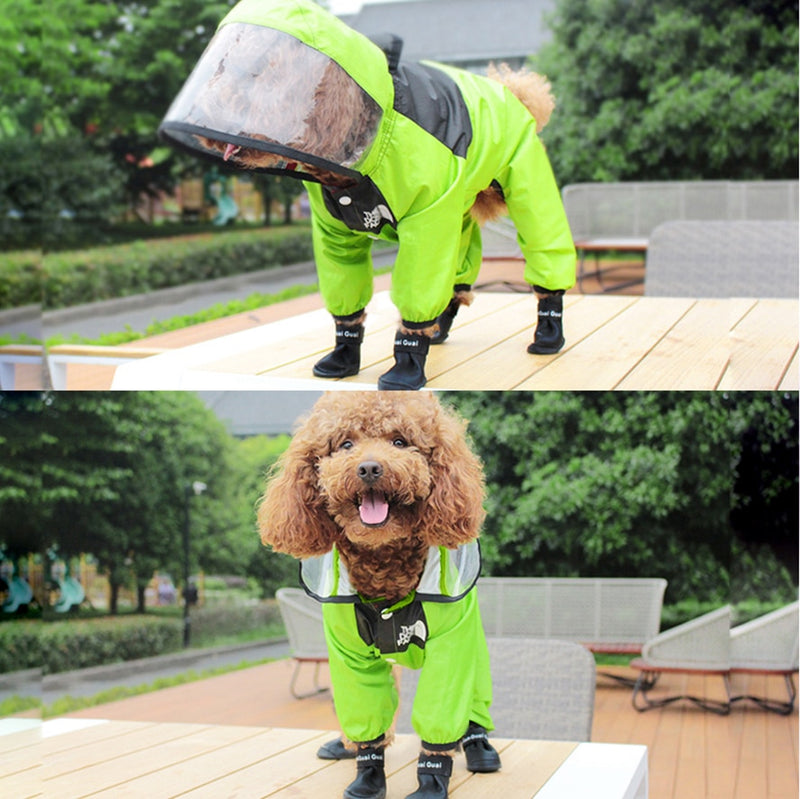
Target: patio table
[613,342]
[80,757]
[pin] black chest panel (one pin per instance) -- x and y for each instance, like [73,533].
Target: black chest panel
[360,207]
[394,631]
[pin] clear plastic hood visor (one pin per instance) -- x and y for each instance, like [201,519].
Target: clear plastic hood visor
[262,99]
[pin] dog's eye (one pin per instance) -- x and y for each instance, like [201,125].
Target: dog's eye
[400,443]
[347,444]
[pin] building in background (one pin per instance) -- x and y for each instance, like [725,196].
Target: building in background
[465,33]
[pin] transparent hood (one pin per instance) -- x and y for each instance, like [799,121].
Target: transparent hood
[260,98]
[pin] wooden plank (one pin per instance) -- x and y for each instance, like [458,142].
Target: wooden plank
[506,364]
[174,766]
[763,345]
[605,358]
[751,780]
[791,379]
[284,762]
[692,355]
[107,763]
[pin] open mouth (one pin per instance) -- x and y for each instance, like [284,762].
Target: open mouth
[374,509]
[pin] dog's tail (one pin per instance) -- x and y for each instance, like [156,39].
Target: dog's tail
[534,92]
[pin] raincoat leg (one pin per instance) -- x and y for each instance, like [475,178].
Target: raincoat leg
[360,678]
[455,683]
[534,204]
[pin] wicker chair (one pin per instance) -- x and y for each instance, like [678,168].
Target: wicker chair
[543,689]
[737,258]
[699,646]
[302,618]
[768,645]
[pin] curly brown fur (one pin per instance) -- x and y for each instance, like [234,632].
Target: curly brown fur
[340,129]
[534,92]
[419,462]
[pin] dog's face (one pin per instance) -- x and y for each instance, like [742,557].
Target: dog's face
[374,468]
[378,472]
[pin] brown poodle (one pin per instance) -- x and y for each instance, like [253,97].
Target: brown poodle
[381,495]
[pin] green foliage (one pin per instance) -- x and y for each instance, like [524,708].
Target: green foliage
[629,483]
[20,279]
[67,645]
[217,624]
[73,278]
[671,90]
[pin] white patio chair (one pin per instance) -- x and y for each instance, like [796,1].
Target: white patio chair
[768,645]
[699,646]
[721,258]
[543,689]
[302,617]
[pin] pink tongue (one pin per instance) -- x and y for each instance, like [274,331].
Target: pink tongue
[374,508]
[230,149]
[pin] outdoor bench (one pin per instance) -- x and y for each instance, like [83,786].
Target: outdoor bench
[622,216]
[612,615]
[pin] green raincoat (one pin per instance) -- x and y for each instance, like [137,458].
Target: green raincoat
[437,629]
[429,139]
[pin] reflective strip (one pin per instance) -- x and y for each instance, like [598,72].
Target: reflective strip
[449,574]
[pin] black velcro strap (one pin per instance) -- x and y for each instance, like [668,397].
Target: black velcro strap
[435,764]
[474,737]
[407,342]
[349,335]
[551,307]
[369,758]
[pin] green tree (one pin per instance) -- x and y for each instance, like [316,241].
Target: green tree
[669,90]
[621,483]
[107,474]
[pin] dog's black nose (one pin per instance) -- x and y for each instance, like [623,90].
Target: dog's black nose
[369,471]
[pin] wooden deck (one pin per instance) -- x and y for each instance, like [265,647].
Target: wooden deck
[497,276]
[613,343]
[750,754]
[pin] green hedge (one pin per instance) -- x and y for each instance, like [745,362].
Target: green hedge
[20,279]
[66,645]
[101,273]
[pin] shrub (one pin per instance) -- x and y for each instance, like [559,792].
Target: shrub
[216,621]
[20,279]
[66,645]
[73,278]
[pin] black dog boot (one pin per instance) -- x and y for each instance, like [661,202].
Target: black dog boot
[549,335]
[345,359]
[482,757]
[370,781]
[433,776]
[445,321]
[408,372]
[335,750]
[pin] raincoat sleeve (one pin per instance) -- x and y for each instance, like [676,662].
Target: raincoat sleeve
[343,258]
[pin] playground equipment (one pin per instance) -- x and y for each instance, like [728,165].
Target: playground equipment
[18,593]
[69,592]
[216,193]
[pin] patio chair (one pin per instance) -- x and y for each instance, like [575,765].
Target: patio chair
[768,646]
[543,689]
[302,617]
[700,647]
[716,259]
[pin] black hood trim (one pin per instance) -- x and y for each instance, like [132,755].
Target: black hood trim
[170,132]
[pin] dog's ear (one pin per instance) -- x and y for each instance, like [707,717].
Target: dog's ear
[291,515]
[453,513]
